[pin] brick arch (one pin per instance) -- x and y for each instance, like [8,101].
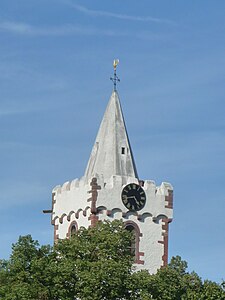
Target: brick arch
[61,218]
[54,220]
[144,216]
[138,235]
[85,211]
[69,215]
[159,218]
[77,214]
[100,208]
[115,211]
[73,223]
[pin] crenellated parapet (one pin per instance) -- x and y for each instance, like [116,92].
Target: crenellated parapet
[101,199]
[71,196]
[158,198]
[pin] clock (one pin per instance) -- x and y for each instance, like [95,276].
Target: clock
[133,196]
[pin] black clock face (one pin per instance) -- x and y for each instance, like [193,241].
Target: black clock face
[133,196]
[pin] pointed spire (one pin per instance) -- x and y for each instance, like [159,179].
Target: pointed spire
[112,154]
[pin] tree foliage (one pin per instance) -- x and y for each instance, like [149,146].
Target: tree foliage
[95,264]
[173,282]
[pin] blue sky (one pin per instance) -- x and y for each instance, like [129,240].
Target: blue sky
[55,63]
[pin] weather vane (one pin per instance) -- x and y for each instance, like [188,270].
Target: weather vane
[115,77]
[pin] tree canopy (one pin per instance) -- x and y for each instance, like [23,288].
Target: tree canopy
[95,263]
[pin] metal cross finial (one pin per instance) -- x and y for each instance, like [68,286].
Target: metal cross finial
[115,77]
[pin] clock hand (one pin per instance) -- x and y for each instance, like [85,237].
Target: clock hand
[130,197]
[133,197]
[136,201]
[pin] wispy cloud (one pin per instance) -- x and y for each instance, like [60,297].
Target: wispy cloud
[70,29]
[27,29]
[101,13]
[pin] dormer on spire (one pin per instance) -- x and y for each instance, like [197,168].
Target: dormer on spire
[112,153]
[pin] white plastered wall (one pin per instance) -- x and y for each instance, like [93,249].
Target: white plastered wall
[151,234]
[71,204]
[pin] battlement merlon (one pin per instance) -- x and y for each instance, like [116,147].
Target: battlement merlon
[159,199]
[74,195]
[70,196]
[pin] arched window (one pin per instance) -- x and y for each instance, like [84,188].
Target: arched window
[72,229]
[134,243]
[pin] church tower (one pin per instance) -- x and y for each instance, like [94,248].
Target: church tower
[111,189]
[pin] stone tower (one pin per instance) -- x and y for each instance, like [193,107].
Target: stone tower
[110,189]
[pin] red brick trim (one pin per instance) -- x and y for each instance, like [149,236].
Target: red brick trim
[169,199]
[93,199]
[68,235]
[138,235]
[56,236]
[53,199]
[165,229]
[94,220]
[53,221]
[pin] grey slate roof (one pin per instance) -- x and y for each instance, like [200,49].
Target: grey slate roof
[111,153]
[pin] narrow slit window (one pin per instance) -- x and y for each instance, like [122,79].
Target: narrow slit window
[73,230]
[123,150]
[132,246]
